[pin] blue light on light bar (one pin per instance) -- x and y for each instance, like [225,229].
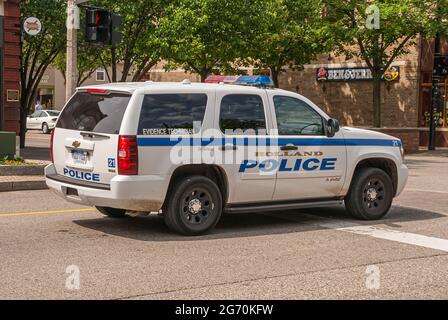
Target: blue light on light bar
[259,81]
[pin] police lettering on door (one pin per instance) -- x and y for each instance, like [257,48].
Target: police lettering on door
[288,165]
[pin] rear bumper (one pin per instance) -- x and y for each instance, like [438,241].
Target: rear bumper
[403,173]
[136,193]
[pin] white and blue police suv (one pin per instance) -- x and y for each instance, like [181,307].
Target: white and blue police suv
[192,151]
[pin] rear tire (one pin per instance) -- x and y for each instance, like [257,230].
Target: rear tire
[194,206]
[112,212]
[45,129]
[370,195]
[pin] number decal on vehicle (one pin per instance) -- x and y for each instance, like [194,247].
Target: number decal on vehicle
[111,163]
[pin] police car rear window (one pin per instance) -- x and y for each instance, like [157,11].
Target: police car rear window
[165,114]
[94,112]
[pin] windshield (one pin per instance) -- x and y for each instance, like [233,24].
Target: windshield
[94,113]
[53,113]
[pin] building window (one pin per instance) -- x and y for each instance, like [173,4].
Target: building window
[100,75]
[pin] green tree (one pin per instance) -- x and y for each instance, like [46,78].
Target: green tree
[206,36]
[288,33]
[378,37]
[39,51]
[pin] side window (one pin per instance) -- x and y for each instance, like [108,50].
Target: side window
[242,112]
[295,117]
[165,114]
[43,114]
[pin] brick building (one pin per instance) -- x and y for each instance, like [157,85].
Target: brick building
[10,65]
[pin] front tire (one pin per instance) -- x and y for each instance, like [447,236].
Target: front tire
[45,129]
[370,195]
[194,206]
[112,212]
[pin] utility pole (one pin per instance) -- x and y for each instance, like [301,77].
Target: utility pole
[72,50]
[435,95]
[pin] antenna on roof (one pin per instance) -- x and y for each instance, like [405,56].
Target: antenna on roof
[186,81]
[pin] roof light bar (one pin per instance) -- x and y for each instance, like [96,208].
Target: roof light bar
[255,81]
[221,79]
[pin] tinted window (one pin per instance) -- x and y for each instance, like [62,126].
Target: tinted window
[295,117]
[94,113]
[171,113]
[242,111]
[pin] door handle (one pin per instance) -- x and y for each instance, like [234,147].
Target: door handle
[289,147]
[229,147]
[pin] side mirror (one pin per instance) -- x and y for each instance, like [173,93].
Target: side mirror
[332,127]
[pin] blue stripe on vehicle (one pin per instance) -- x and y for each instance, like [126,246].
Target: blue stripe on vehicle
[169,142]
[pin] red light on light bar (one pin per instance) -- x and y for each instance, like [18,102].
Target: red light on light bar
[96,90]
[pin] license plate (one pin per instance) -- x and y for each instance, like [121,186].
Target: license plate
[79,157]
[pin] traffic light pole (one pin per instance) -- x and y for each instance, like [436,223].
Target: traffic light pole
[435,95]
[71,72]
[72,51]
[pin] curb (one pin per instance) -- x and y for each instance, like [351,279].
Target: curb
[26,170]
[20,185]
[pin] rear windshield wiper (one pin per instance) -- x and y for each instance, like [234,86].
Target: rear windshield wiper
[93,135]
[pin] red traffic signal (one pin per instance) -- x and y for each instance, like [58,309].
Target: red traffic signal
[102,26]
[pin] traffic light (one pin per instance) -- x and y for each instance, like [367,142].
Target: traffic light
[103,27]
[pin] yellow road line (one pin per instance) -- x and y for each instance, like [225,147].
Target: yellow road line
[44,212]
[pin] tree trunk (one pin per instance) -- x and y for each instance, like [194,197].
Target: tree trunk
[114,65]
[377,75]
[274,75]
[23,116]
[204,75]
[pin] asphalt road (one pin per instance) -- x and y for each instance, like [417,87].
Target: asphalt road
[289,255]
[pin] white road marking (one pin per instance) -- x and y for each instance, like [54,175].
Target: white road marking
[388,234]
[423,190]
[377,232]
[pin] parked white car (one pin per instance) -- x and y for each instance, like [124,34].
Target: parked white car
[44,120]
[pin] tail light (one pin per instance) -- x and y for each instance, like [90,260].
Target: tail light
[127,155]
[51,145]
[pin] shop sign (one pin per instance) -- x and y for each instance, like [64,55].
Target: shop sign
[354,74]
[32,26]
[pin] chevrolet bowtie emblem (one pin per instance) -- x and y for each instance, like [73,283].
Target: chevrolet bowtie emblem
[76,144]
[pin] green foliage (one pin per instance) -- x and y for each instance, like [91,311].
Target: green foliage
[400,23]
[288,33]
[206,36]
